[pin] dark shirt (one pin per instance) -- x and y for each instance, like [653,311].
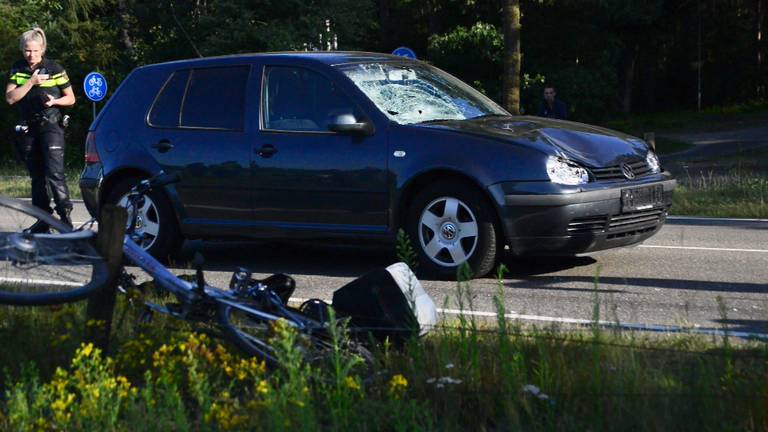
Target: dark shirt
[557,111]
[33,103]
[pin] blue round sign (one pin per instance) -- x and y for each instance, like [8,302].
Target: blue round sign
[95,86]
[405,52]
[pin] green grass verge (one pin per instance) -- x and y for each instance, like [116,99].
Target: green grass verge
[467,376]
[727,195]
[709,119]
[15,182]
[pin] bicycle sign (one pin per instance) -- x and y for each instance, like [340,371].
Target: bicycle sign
[95,86]
[404,52]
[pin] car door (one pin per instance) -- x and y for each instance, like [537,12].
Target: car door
[306,177]
[199,130]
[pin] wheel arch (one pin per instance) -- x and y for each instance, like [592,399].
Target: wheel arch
[418,183]
[114,178]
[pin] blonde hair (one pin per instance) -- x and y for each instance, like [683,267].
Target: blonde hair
[36,34]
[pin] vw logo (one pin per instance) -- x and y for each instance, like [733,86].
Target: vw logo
[448,231]
[627,170]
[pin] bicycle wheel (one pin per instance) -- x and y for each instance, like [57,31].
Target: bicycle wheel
[248,331]
[253,333]
[43,268]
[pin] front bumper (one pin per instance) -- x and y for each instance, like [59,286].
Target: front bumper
[543,218]
[90,185]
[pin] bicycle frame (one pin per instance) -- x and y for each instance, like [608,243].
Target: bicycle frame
[188,292]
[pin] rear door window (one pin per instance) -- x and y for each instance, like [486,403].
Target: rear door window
[215,98]
[165,111]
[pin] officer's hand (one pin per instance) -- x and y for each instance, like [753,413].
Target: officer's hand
[50,102]
[38,78]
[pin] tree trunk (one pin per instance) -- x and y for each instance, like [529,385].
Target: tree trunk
[384,30]
[125,36]
[434,22]
[512,56]
[759,18]
[628,77]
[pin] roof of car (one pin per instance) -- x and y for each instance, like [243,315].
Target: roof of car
[327,57]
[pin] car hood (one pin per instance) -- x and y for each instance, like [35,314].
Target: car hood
[590,145]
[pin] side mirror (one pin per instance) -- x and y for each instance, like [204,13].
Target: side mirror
[348,124]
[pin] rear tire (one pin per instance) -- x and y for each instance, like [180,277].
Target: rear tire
[157,225]
[253,335]
[45,268]
[450,223]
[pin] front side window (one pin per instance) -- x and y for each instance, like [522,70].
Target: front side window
[301,100]
[215,98]
[412,93]
[165,111]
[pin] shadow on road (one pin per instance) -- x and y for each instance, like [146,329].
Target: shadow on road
[352,260]
[556,282]
[745,325]
[288,257]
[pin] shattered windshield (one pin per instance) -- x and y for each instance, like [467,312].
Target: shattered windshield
[418,93]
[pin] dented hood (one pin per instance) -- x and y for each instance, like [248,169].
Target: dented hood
[590,145]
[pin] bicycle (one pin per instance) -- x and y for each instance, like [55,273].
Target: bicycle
[245,312]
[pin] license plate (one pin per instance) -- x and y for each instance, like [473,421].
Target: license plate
[641,198]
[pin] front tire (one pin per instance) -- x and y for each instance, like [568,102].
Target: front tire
[156,223]
[451,223]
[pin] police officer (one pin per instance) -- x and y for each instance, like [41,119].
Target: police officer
[39,86]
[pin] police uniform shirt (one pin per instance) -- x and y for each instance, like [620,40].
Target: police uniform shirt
[34,101]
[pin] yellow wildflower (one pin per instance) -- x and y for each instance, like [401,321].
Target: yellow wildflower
[397,385]
[352,383]
[86,349]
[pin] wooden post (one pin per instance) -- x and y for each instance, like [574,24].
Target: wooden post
[650,138]
[101,304]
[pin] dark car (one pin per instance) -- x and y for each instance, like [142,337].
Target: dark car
[358,145]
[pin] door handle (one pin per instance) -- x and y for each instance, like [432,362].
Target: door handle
[266,151]
[162,146]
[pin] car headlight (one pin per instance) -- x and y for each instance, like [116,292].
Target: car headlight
[566,172]
[653,162]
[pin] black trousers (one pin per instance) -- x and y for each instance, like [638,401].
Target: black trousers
[43,151]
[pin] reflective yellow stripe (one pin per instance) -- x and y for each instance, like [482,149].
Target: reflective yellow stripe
[61,80]
[57,75]
[20,78]
[48,83]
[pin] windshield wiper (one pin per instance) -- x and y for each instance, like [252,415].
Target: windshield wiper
[437,121]
[488,116]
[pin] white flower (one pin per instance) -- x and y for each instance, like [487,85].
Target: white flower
[535,391]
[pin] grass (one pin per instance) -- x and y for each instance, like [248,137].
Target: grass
[709,119]
[467,375]
[731,194]
[15,182]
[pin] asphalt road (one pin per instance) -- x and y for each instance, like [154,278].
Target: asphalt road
[697,273]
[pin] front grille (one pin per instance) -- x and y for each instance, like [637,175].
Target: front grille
[614,173]
[587,225]
[641,220]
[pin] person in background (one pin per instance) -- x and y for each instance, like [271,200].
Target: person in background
[39,87]
[552,106]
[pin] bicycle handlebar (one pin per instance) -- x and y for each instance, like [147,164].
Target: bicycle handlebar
[155,182]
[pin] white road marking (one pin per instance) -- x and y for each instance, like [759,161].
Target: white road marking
[47,282]
[695,218]
[587,322]
[704,248]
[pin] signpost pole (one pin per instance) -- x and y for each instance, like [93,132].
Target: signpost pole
[94,111]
